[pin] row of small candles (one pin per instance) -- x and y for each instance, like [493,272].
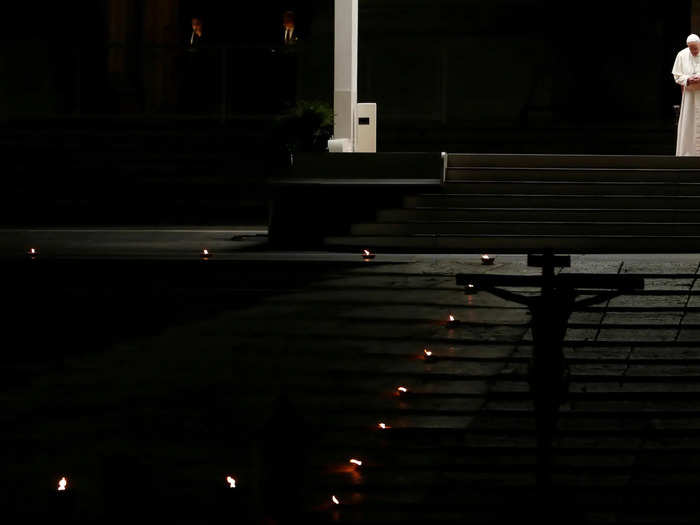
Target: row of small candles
[367,255]
[428,357]
[63,483]
[403,391]
[486,259]
[230,480]
[206,254]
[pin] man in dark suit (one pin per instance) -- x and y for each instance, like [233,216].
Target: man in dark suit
[196,80]
[197,36]
[290,35]
[288,63]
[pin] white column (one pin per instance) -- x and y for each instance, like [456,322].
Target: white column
[345,77]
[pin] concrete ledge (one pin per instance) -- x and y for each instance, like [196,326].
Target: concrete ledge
[323,194]
[387,168]
[358,182]
[608,162]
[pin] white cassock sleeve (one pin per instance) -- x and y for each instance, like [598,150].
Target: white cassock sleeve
[678,70]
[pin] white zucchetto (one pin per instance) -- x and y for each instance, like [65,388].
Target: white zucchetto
[692,38]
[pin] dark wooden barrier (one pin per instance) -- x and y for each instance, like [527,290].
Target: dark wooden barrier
[323,194]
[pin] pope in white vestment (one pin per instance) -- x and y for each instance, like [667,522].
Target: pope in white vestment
[686,71]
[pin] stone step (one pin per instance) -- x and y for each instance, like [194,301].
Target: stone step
[544,215]
[603,229]
[521,203]
[581,175]
[538,201]
[529,187]
[470,160]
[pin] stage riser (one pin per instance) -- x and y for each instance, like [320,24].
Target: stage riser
[568,188]
[572,161]
[530,229]
[521,203]
[583,176]
[541,215]
[632,202]
[515,244]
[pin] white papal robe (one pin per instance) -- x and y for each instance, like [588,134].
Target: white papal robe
[688,142]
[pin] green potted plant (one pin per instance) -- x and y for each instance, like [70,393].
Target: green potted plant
[306,127]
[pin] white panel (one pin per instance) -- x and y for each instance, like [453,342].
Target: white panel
[366,131]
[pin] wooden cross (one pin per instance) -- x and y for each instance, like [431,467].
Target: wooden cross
[548,374]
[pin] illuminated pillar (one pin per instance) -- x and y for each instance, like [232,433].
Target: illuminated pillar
[345,75]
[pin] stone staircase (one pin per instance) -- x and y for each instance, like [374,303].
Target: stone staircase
[520,203]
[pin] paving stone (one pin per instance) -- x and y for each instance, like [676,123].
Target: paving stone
[643,318]
[602,369]
[683,354]
[691,318]
[586,317]
[668,371]
[582,264]
[637,334]
[581,334]
[694,300]
[688,335]
[649,266]
[572,335]
[600,353]
[650,301]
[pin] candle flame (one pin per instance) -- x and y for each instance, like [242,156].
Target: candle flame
[356,462]
[452,318]
[62,483]
[205,252]
[365,252]
[335,500]
[427,352]
[231,482]
[383,426]
[402,390]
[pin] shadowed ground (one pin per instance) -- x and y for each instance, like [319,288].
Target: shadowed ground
[147,380]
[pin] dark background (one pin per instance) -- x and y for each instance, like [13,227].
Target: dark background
[93,94]
[442,66]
